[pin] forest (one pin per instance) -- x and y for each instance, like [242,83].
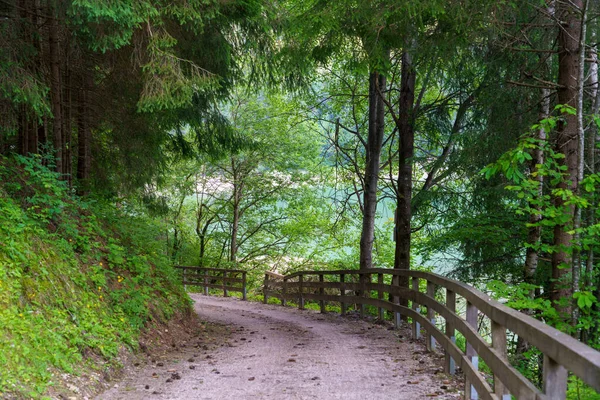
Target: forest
[454,136]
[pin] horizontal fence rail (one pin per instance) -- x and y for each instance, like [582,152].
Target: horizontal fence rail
[228,280]
[562,353]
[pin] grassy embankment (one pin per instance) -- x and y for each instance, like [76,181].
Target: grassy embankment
[79,281]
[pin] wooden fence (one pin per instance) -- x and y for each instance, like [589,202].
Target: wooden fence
[228,280]
[562,353]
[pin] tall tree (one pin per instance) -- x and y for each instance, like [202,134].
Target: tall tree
[92,75]
[567,143]
[404,181]
[375,136]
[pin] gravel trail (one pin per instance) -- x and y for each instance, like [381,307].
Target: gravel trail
[284,353]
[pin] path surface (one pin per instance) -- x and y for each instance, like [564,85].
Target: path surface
[284,353]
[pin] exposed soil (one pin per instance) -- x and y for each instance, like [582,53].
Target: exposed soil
[272,352]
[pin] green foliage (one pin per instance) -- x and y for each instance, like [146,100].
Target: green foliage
[526,187]
[577,390]
[585,299]
[76,277]
[17,83]
[276,177]
[588,304]
[518,296]
[529,201]
[171,82]
[106,26]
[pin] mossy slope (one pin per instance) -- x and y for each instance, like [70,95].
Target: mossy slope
[77,278]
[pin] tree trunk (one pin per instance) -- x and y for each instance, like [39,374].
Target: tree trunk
[176,245]
[32,145]
[567,143]
[41,135]
[26,118]
[55,90]
[84,136]
[67,127]
[576,262]
[591,149]
[202,237]
[377,84]
[234,232]
[592,334]
[22,131]
[535,231]
[405,170]
[237,195]
[202,232]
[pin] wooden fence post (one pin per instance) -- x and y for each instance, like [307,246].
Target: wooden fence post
[206,282]
[380,296]
[362,279]
[555,379]
[397,317]
[284,292]
[450,365]
[300,292]
[266,289]
[322,293]
[343,293]
[225,292]
[430,316]
[499,343]
[416,326]
[470,392]
[244,290]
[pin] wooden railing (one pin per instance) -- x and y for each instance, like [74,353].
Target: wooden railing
[228,280]
[562,353]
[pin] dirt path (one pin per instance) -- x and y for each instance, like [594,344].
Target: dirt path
[284,353]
